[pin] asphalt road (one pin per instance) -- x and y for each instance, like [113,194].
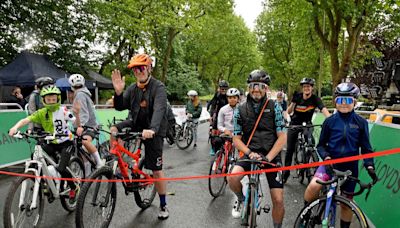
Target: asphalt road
[189,202]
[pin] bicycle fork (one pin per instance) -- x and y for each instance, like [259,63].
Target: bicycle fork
[36,185]
[330,209]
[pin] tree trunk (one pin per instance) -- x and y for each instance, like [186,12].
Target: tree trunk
[171,35]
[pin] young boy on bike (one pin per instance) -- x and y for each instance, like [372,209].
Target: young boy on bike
[342,135]
[53,118]
[87,118]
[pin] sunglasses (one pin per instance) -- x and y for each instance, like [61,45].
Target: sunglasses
[137,69]
[260,85]
[344,100]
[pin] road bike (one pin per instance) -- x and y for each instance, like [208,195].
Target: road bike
[252,205]
[222,163]
[184,135]
[305,151]
[325,212]
[24,203]
[97,199]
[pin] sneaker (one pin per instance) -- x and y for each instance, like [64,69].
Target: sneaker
[164,213]
[237,209]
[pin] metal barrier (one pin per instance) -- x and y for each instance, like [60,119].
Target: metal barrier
[389,124]
[4,107]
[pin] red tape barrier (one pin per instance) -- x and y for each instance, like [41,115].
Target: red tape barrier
[301,166]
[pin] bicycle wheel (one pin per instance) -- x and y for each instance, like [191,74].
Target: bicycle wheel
[104,150]
[145,192]
[23,216]
[246,207]
[312,214]
[96,200]
[216,185]
[253,207]
[184,138]
[77,168]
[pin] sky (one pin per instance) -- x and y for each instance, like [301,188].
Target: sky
[249,10]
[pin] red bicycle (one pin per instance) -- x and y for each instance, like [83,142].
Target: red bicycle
[96,202]
[222,163]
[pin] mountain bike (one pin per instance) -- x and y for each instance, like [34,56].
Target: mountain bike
[305,151]
[222,163]
[184,135]
[254,194]
[325,211]
[24,203]
[97,200]
[84,155]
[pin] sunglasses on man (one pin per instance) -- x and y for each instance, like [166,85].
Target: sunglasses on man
[258,85]
[344,100]
[137,69]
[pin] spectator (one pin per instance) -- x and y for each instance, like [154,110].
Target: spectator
[17,97]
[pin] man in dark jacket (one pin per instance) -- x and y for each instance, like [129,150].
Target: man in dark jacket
[147,104]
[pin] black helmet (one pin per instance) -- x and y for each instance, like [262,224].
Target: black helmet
[43,81]
[223,84]
[259,76]
[347,89]
[309,81]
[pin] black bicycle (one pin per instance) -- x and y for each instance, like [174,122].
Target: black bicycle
[305,151]
[184,135]
[254,194]
[325,211]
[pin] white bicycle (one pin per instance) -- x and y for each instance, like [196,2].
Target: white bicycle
[24,204]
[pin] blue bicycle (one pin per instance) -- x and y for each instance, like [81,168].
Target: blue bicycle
[325,212]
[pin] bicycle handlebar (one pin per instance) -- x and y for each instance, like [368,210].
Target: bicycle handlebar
[339,175]
[303,126]
[263,161]
[36,136]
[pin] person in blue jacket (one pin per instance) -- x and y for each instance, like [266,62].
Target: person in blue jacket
[343,135]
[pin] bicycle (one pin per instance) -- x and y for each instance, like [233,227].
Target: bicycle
[84,155]
[325,211]
[99,198]
[27,211]
[184,135]
[222,163]
[254,194]
[305,151]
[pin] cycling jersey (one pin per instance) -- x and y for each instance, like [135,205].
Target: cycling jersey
[54,122]
[304,109]
[225,118]
[342,135]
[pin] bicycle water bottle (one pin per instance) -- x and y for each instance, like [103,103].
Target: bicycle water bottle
[54,173]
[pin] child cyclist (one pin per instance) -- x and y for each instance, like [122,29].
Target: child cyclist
[342,135]
[53,117]
[225,115]
[87,118]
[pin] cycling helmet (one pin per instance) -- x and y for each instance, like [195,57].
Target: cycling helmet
[232,92]
[50,90]
[192,93]
[43,81]
[76,80]
[223,84]
[309,81]
[347,89]
[140,60]
[259,76]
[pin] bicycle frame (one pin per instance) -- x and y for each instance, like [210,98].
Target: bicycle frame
[331,192]
[40,160]
[118,150]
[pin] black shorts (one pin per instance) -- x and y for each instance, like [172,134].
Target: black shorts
[274,179]
[152,147]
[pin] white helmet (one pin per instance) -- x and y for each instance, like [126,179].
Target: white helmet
[76,80]
[232,92]
[192,93]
